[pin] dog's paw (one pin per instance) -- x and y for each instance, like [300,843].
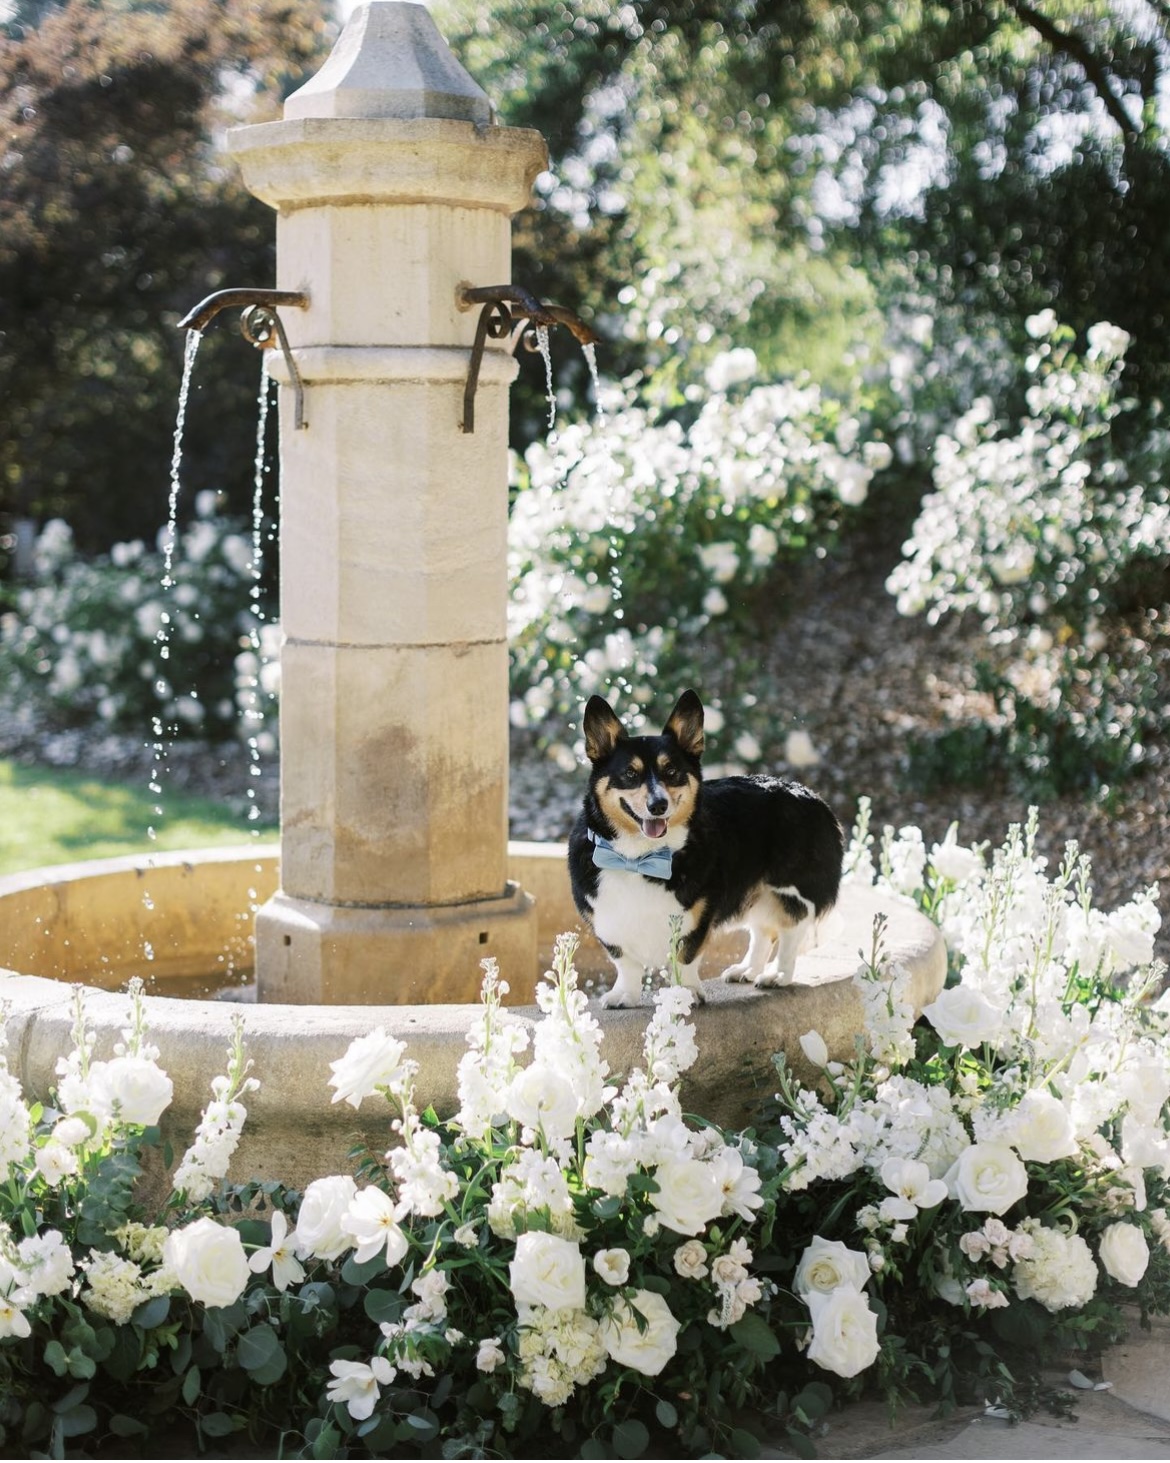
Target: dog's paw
[736,973]
[620,998]
[772,977]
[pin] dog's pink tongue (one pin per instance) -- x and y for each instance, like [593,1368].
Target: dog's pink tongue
[654,827]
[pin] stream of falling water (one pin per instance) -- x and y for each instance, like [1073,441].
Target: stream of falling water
[543,347]
[162,639]
[252,711]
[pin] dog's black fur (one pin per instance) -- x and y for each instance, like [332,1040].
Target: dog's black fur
[759,851]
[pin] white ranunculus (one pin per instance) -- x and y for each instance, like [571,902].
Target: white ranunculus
[320,1230]
[1041,1128]
[690,1260]
[539,1097]
[828,1264]
[548,1271]
[134,1088]
[371,1062]
[812,1044]
[646,1348]
[844,1337]
[1124,1253]
[613,1266]
[689,1196]
[964,1017]
[490,1355]
[987,1178]
[208,1261]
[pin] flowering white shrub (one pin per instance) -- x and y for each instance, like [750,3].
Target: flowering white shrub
[636,534]
[954,1195]
[106,640]
[1049,529]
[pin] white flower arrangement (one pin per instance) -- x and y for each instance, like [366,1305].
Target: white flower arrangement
[569,1255]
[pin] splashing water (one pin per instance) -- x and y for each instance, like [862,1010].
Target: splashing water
[542,346]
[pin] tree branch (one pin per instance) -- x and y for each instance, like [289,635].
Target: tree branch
[1094,68]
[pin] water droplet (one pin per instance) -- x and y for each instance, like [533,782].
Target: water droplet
[147,902]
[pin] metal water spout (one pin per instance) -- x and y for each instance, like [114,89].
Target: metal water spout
[393,187]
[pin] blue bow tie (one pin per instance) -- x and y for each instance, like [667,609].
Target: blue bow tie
[655,864]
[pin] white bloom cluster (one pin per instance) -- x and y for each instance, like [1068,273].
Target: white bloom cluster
[1059,1272]
[487,1068]
[207,1160]
[830,1279]
[560,1350]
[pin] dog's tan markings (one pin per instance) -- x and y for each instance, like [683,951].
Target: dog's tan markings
[685,723]
[684,801]
[613,804]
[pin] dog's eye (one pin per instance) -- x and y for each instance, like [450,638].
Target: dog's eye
[672,775]
[627,777]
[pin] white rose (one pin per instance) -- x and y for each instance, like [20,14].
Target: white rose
[208,1261]
[138,1090]
[690,1260]
[964,1017]
[689,1195]
[1041,1128]
[539,1097]
[987,1178]
[490,1355]
[828,1264]
[844,1332]
[646,1348]
[548,1271]
[320,1227]
[1124,1253]
[371,1062]
[613,1266]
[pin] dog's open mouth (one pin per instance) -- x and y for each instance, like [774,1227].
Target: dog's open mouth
[654,827]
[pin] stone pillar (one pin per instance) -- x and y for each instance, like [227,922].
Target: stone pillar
[393,187]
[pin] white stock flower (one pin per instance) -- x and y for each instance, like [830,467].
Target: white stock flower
[371,1063]
[279,1254]
[1124,1253]
[47,1263]
[547,1271]
[208,1261]
[320,1230]
[647,1344]
[55,1162]
[987,1178]
[844,1339]
[370,1223]
[689,1195]
[612,1265]
[828,1264]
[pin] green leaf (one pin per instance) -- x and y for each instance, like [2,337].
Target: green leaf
[801,1444]
[608,1208]
[76,1421]
[71,1398]
[55,1357]
[666,1413]
[354,1274]
[219,1425]
[127,1427]
[754,1334]
[257,1347]
[192,1383]
[593,1448]
[744,1444]
[382,1305]
[152,1312]
[656,1283]
[631,1438]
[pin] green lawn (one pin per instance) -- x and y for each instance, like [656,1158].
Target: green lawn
[57,817]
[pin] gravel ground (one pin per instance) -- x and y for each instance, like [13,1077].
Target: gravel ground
[844,665]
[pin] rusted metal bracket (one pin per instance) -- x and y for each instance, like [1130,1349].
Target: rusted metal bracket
[509,312]
[260,326]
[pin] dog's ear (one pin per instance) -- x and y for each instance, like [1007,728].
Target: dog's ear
[602,729]
[685,724]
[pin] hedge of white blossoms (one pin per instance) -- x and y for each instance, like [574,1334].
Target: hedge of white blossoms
[571,1257]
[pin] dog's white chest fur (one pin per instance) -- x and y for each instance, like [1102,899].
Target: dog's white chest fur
[634,914]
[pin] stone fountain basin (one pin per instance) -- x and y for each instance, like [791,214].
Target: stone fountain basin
[84,923]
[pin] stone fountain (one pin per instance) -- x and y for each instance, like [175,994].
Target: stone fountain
[394,189]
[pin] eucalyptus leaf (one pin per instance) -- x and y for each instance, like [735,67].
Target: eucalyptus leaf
[754,1334]
[219,1425]
[631,1438]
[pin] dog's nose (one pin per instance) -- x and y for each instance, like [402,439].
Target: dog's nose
[657,805]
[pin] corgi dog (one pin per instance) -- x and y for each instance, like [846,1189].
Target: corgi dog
[654,843]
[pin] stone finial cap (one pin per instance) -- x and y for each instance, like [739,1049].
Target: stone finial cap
[391,61]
